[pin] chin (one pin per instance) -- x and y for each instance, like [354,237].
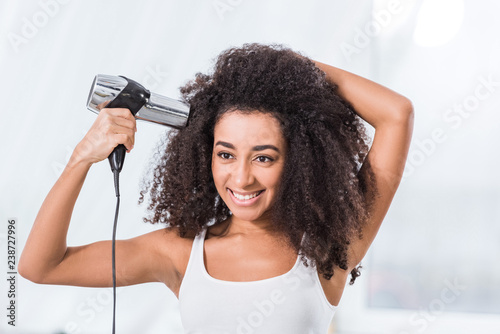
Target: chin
[247,216]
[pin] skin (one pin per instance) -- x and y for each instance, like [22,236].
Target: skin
[245,171]
[162,256]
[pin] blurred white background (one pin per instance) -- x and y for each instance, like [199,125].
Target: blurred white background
[433,267]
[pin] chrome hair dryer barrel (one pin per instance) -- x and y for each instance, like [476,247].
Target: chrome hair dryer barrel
[144,105]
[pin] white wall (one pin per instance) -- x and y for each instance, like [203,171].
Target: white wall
[443,225]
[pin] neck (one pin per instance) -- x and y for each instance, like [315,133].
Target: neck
[236,226]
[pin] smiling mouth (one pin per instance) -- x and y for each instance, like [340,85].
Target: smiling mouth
[246,197]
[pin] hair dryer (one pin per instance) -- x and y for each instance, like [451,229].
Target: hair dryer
[144,105]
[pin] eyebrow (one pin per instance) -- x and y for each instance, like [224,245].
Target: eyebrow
[255,148]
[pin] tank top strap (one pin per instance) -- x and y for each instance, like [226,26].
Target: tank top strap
[193,269]
[197,251]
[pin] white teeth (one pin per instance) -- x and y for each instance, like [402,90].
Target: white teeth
[246,197]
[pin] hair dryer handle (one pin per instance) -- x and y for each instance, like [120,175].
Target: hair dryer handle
[117,157]
[133,97]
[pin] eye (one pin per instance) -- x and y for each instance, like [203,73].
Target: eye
[223,155]
[264,157]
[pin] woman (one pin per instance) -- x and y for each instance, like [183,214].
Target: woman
[270,195]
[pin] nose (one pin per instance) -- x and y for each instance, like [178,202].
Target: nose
[243,174]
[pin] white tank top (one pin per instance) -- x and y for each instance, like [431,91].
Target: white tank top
[292,303]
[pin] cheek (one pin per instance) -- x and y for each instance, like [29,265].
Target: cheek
[271,179]
[220,168]
[275,178]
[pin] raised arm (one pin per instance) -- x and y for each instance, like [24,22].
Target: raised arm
[391,114]
[47,259]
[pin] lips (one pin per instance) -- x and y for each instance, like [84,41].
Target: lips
[245,202]
[257,193]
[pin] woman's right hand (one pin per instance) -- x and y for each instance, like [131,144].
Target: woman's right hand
[112,127]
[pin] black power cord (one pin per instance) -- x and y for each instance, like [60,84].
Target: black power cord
[116,174]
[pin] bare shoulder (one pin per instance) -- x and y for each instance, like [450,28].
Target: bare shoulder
[173,254]
[170,245]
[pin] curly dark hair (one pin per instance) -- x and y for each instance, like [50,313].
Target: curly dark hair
[320,193]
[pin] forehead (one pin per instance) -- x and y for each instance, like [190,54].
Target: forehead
[249,128]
